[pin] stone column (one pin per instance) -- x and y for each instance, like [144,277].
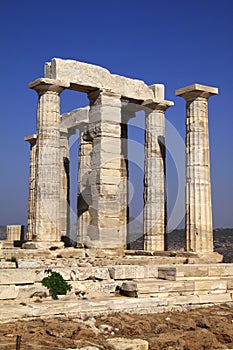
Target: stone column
[47,195]
[106,229]
[65,183]
[199,228]
[155,215]
[14,233]
[31,198]
[84,188]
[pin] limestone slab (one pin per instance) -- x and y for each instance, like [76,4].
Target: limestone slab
[17,276]
[128,344]
[121,272]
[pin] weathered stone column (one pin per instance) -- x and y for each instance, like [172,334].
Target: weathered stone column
[48,164]
[155,215]
[31,198]
[14,233]
[106,229]
[199,229]
[84,187]
[65,183]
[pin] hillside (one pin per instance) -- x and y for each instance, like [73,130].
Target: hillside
[223,242]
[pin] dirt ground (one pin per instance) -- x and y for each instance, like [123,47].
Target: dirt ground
[202,328]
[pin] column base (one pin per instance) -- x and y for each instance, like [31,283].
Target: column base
[210,257]
[43,245]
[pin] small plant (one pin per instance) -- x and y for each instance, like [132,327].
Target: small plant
[55,284]
[13,259]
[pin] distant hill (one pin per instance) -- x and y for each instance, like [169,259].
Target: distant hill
[223,242]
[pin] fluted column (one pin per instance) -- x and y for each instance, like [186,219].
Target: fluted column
[106,228]
[199,228]
[31,198]
[155,215]
[48,164]
[65,183]
[84,188]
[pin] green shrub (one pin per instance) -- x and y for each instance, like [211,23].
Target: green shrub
[55,284]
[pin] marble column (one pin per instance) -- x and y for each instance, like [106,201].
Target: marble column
[84,188]
[14,233]
[65,183]
[31,198]
[48,165]
[199,228]
[106,229]
[155,215]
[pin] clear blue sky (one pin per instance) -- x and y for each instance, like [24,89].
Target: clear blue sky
[175,42]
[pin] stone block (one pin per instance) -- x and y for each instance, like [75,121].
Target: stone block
[122,272]
[94,289]
[215,298]
[167,273]
[85,273]
[129,289]
[183,300]
[150,271]
[230,284]
[17,276]
[228,269]
[7,265]
[211,286]
[217,271]
[29,264]
[8,292]
[128,344]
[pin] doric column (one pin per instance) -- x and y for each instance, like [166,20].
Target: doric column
[199,229]
[65,183]
[106,228]
[84,188]
[14,233]
[155,215]
[31,198]
[48,164]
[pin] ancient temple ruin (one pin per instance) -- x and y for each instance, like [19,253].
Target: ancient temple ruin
[103,160]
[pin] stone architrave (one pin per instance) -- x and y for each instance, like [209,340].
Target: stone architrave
[84,187]
[199,228]
[87,77]
[106,229]
[31,198]
[65,183]
[155,215]
[48,164]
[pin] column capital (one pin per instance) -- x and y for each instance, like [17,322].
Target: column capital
[31,138]
[43,85]
[158,105]
[191,92]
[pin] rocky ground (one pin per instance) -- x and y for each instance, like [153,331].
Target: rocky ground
[198,329]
